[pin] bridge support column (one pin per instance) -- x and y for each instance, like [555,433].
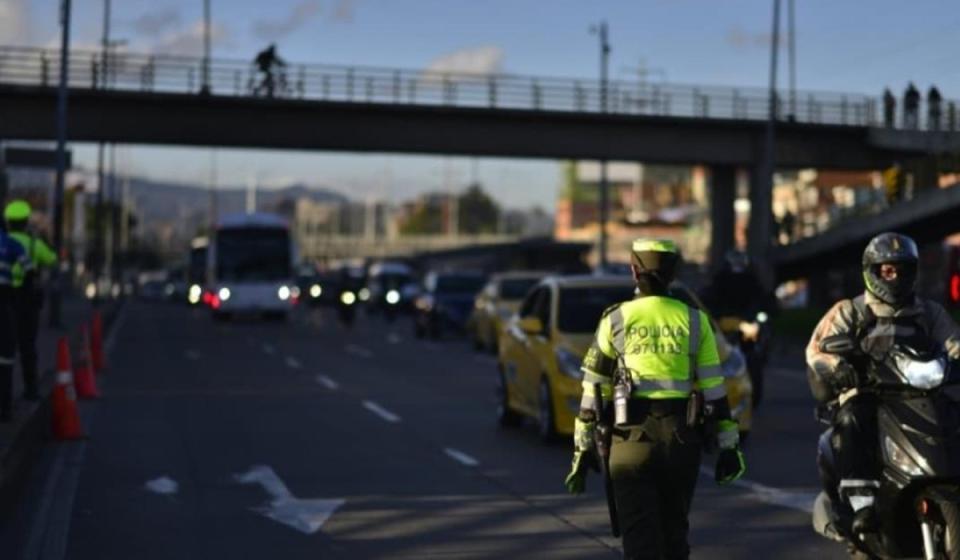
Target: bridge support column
[760,230]
[723,193]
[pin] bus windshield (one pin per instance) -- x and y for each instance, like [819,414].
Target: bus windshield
[253,254]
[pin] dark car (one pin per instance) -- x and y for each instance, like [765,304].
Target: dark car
[446,302]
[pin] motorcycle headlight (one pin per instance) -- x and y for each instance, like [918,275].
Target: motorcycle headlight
[762,317]
[897,457]
[348,298]
[283,293]
[569,364]
[393,297]
[316,291]
[224,294]
[922,375]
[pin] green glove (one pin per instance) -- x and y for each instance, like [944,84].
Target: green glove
[730,466]
[576,481]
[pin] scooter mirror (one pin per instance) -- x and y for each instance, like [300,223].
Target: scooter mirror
[837,344]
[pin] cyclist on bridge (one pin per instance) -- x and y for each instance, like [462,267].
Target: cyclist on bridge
[267,61]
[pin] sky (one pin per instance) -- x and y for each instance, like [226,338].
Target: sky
[857,47]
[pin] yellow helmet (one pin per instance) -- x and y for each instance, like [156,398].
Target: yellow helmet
[17,210]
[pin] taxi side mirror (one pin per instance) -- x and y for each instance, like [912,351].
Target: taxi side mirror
[531,325]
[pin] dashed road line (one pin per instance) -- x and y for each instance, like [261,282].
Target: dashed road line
[269,349]
[801,501]
[358,350]
[461,457]
[292,362]
[381,412]
[327,382]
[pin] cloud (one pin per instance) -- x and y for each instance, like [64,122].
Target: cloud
[189,40]
[740,38]
[156,23]
[271,30]
[483,60]
[344,10]
[14,22]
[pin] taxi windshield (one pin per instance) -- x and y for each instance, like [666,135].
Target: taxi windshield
[580,308]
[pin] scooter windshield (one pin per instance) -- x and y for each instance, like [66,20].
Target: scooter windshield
[920,374]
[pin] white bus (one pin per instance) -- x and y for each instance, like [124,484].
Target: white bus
[250,267]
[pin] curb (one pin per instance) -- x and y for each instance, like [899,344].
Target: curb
[18,459]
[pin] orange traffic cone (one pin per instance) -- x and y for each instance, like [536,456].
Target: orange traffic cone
[66,417]
[99,360]
[83,377]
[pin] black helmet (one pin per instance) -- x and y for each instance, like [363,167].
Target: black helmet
[897,249]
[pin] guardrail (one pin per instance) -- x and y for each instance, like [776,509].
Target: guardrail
[180,74]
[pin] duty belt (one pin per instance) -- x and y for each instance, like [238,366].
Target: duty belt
[639,408]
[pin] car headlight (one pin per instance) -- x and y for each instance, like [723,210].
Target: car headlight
[283,293]
[348,298]
[224,294]
[897,457]
[393,297]
[569,364]
[316,291]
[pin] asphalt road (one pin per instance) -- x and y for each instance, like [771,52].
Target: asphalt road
[305,440]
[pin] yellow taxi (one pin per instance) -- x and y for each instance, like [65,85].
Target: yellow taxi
[543,344]
[496,303]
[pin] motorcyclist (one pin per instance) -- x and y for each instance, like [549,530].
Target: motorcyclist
[888,312]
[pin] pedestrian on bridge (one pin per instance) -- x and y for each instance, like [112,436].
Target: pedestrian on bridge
[911,106]
[28,291]
[934,109]
[889,108]
[657,357]
[12,258]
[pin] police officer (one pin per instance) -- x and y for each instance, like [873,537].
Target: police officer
[661,350]
[28,291]
[888,312]
[12,258]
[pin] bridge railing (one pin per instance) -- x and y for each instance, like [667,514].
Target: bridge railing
[181,74]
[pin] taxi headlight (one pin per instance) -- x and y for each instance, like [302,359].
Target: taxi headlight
[393,297]
[224,294]
[316,291]
[283,293]
[569,364]
[897,457]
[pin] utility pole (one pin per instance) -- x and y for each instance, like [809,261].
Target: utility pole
[205,86]
[793,58]
[99,242]
[54,316]
[761,191]
[602,32]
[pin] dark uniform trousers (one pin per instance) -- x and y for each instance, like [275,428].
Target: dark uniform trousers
[8,349]
[27,325]
[654,466]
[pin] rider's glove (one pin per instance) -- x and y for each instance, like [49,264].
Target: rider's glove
[583,456]
[730,462]
[845,377]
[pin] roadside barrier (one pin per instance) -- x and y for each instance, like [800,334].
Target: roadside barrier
[66,416]
[83,374]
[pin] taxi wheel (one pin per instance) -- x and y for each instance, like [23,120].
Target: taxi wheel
[506,416]
[545,416]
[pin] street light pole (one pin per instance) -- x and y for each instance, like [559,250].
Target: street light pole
[205,87]
[54,316]
[603,33]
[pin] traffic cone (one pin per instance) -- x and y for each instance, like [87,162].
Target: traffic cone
[99,360]
[83,374]
[66,417]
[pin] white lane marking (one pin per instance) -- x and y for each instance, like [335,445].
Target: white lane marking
[381,412]
[327,382]
[802,501]
[292,362]
[192,355]
[357,350]
[461,457]
[164,486]
[394,338]
[304,515]
[269,349]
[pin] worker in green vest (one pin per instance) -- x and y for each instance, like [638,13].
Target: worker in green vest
[28,290]
[655,358]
